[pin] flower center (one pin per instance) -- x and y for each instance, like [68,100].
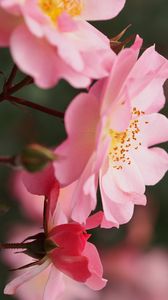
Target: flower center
[123,142]
[54,8]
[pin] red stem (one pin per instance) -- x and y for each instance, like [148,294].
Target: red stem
[11,77]
[36,106]
[10,160]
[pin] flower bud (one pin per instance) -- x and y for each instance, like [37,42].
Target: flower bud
[35,157]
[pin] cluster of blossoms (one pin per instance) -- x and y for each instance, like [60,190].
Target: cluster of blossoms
[112,130]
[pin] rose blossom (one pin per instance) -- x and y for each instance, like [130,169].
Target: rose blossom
[34,288]
[111,131]
[63,245]
[50,40]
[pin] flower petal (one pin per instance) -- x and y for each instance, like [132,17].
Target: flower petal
[7,25]
[70,238]
[122,66]
[99,10]
[12,286]
[37,58]
[39,183]
[129,178]
[75,267]
[152,163]
[153,129]
[117,205]
[84,197]
[80,120]
[55,285]
[95,281]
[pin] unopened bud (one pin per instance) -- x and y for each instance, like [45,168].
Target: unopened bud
[35,157]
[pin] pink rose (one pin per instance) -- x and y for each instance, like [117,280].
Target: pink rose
[111,133]
[63,245]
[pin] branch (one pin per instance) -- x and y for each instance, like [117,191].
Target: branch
[11,77]
[9,160]
[36,106]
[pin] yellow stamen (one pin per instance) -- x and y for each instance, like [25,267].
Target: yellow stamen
[54,8]
[122,142]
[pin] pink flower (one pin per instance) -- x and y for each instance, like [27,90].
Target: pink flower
[50,40]
[63,245]
[111,132]
[34,288]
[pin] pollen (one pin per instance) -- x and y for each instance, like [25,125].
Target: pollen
[54,8]
[123,142]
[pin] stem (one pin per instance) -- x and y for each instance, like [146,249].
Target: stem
[8,90]
[36,106]
[11,77]
[10,160]
[27,80]
[13,245]
[45,212]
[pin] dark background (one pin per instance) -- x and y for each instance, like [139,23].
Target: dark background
[20,126]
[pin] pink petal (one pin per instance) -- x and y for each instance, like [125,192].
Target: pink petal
[120,115]
[73,56]
[55,285]
[75,267]
[95,281]
[123,64]
[84,195]
[153,129]
[70,238]
[66,23]
[117,205]
[151,99]
[152,163]
[39,183]
[129,178]
[81,119]
[151,65]
[40,60]
[94,220]
[31,205]
[51,205]
[12,286]
[7,25]
[104,10]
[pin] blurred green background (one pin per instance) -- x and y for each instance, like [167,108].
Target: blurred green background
[20,126]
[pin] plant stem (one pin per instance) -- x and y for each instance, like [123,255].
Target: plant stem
[27,80]
[36,106]
[11,77]
[10,160]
